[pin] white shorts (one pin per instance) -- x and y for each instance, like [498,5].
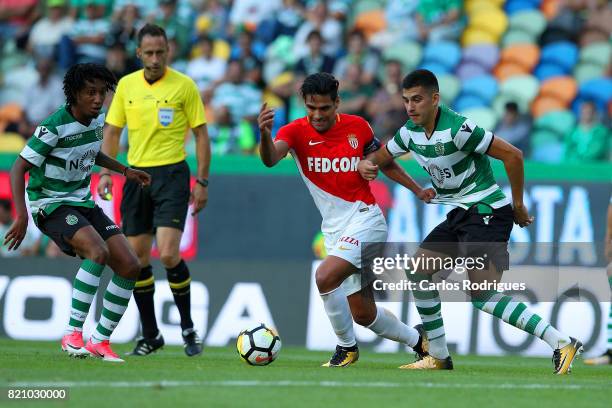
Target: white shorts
[347,243]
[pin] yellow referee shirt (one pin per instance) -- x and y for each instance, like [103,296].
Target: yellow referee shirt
[157,116]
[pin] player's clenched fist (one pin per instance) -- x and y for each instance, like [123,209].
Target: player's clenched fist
[367,169]
[265,119]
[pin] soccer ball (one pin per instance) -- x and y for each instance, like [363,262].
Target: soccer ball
[259,345]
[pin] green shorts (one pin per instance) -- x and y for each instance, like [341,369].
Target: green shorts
[162,204]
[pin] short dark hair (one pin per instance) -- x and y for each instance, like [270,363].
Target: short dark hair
[79,74]
[151,30]
[320,83]
[512,106]
[314,33]
[421,77]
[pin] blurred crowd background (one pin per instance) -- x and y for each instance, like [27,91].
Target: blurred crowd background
[537,72]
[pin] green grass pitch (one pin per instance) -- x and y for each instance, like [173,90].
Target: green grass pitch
[219,378]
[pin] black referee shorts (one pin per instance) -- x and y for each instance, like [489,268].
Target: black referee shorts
[480,231]
[164,203]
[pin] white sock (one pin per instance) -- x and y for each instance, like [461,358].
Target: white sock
[339,314]
[554,338]
[387,325]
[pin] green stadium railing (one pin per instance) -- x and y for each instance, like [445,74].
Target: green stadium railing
[534,171]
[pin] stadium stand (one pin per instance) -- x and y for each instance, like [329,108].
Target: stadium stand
[548,56]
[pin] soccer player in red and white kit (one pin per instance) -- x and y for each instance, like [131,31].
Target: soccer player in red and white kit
[327,148]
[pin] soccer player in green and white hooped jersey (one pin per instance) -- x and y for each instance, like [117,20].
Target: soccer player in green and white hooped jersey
[60,157]
[454,151]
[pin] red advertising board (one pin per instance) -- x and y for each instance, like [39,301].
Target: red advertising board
[189,241]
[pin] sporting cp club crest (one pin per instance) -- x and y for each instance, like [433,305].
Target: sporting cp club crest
[71,219]
[439,148]
[353,141]
[165,115]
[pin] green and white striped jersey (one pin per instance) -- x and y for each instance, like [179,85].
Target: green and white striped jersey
[455,158]
[63,152]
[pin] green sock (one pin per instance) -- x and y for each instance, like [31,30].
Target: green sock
[84,289]
[518,315]
[430,309]
[116,299]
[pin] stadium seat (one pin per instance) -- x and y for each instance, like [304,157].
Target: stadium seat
[371,22]
[515,6]
[563,53]
[483,117]
[470,69]
[435,67]
[474,6]
[597,90]
[530,21]
[445,53]
[526,86]
[598,53]
[525,55]
[449,88]
[493,21]
[507,70]
[468,101]
[484,87]
[549,70]
[408,52]
[558,122]
[485,55]
[549,131]
[222,50]
[543,104]
[515,36]
[521,89]
[562,88]
[586,71]
[362,6]
[11,142]
[475,35]
[546,147]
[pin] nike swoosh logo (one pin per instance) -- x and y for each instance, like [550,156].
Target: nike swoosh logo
[344,249]
[312,143]
[260,359]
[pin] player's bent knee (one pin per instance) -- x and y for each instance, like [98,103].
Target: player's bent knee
[99,254]
[132,269]
[325,279]
[169,260]
[364,318]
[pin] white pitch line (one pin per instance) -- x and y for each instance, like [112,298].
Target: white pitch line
[289,383]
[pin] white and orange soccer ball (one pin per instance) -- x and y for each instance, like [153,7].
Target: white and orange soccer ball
[259,345]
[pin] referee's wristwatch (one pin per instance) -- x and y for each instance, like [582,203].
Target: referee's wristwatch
[202,181]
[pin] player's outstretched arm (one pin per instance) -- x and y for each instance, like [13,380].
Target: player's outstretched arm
[397,173]
[18,229]
[513,162]
[381,158]
[109,163]
[269,151]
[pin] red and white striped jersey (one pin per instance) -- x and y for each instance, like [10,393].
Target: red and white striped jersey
[328,164]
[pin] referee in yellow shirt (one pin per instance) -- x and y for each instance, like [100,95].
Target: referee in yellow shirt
[158,105]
